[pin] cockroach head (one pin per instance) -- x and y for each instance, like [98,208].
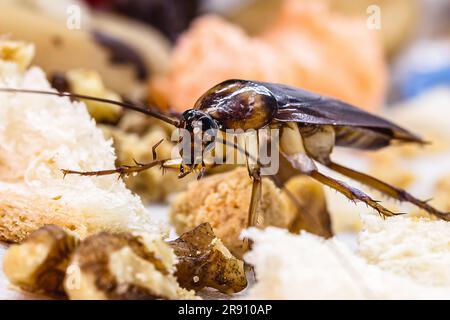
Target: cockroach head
[200,126]
[197,119]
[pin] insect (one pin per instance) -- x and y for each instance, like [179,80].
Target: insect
[311,125]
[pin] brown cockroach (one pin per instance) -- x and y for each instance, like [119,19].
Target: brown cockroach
[310,125]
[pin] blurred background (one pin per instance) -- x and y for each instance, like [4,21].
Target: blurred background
[330,46]
[390,57]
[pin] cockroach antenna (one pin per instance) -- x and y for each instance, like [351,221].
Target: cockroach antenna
[129,106]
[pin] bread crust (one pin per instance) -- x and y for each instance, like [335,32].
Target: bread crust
[21,214]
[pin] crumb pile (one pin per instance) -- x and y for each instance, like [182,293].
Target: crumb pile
[308,267]
[39,136]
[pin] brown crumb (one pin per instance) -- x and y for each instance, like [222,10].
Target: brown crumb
[203,261]
[223,201]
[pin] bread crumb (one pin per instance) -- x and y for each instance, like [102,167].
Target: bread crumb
[305,266]
[223,201]
[39,136]
[416,247]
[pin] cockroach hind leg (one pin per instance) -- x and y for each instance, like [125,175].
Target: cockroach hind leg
[351,193]
[387,189]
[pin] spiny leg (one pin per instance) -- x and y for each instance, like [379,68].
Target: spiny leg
[183,173]
[254,171]
[174,164]
[387,189]
[154,154]
[351,193]
[121,170]
[251,148]
[202,171]
[252,219]
[124,169]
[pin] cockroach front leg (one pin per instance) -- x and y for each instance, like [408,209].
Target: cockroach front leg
[124,170]
[155,146]
[387,189]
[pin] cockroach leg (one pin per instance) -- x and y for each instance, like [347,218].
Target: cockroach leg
[183,173]
[255,198]
[125,170]
[154,155]
[351,193]
[254,171]
[387,189]
[121,170]
[137,162]
[202,171]
[252,218]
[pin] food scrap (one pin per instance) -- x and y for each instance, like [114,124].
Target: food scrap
[223,200]
[106,265]
[39,263]
[203,261]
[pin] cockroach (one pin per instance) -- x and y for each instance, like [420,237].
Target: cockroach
[310,125]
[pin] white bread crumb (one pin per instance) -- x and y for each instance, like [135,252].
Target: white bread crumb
[305,266]
[408,246]
[39,136]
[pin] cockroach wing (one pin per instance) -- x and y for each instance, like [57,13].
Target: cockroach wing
[297,105]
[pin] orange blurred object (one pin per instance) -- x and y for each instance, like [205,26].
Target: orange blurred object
[307,47]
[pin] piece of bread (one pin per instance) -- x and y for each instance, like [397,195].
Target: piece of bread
[21,214]
[39,136]
[416,247]
[289,266]
[223,201]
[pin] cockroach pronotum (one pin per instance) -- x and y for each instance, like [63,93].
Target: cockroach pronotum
[310,126]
